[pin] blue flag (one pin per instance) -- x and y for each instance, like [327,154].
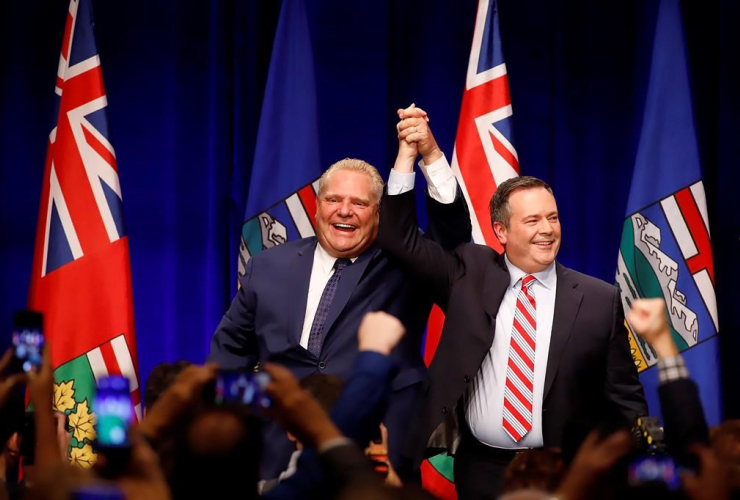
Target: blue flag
[666,249]
[281,203]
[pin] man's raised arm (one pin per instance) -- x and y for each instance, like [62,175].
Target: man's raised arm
[447,211]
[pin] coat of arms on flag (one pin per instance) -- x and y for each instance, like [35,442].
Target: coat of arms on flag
[289,219]
[666,252]
[75,388]
[81,277]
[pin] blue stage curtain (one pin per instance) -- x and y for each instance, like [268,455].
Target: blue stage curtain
[185,81]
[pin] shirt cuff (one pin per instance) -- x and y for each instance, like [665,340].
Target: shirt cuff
[399,183]
[441,181]
[671,369]
[334,443]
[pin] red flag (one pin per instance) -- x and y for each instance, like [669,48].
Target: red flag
[483,158]
[81,278]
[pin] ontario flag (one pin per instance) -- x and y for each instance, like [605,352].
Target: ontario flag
[81,277]
[483,158]
[666,249]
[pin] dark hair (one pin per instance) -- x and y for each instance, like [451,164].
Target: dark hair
[499,206]
[160,378]
[324,388]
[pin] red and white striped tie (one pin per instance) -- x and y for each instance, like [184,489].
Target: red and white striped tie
[518,394]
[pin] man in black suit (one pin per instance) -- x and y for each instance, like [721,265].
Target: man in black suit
[281,314]
[514,364]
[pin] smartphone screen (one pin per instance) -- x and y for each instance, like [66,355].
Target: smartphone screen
[245,388]
[114,411]
[28,340]
[660,469]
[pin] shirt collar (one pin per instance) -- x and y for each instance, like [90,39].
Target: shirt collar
[324,260]
[546,277]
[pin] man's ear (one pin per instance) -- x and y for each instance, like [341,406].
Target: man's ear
[501,232]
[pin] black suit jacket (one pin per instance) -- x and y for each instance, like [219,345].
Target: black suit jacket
[589,369]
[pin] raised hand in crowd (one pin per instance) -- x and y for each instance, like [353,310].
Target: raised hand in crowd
[710,481]
[594,459]
[296,411]
[648,318]
[379,332]
[8,382]
[41,394]
[177,400]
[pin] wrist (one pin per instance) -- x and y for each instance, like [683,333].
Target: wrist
[666,348]
[152,428]
[404,163]
[380,348]
[434,155]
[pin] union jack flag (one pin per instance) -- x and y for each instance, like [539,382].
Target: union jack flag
[484,136]
[483,158]
[81,278]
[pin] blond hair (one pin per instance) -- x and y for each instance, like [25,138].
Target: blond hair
[354,165]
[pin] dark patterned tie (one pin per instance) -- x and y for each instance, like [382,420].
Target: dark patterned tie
[316,338]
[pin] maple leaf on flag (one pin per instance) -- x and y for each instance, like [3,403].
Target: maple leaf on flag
[82,422]
[64,396]
[83,457]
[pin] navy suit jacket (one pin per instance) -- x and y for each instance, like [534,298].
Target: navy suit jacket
[265,319]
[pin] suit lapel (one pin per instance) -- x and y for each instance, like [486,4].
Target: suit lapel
[495,283]
[567,302]
[350,278]
[300,272]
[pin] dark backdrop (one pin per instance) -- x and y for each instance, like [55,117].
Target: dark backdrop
[185,81]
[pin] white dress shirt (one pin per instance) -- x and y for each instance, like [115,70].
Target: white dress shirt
[441,182]
[485,399]
[322,270]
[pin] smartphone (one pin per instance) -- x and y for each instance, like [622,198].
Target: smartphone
[243,388]
[114,412]
[655,469]
[28,341]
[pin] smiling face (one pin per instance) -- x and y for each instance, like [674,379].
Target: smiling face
[532,239]
[347,214]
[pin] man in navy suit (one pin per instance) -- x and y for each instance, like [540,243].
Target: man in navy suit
[291,308]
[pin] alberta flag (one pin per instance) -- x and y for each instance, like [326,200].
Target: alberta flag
[666,249]
[81,277]
[281,203]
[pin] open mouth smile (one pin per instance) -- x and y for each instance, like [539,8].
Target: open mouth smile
[345,228]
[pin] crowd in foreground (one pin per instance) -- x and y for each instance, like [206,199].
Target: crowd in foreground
[188,447]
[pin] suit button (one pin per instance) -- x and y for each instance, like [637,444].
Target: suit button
[322,365]
[444,409]
[466,379]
